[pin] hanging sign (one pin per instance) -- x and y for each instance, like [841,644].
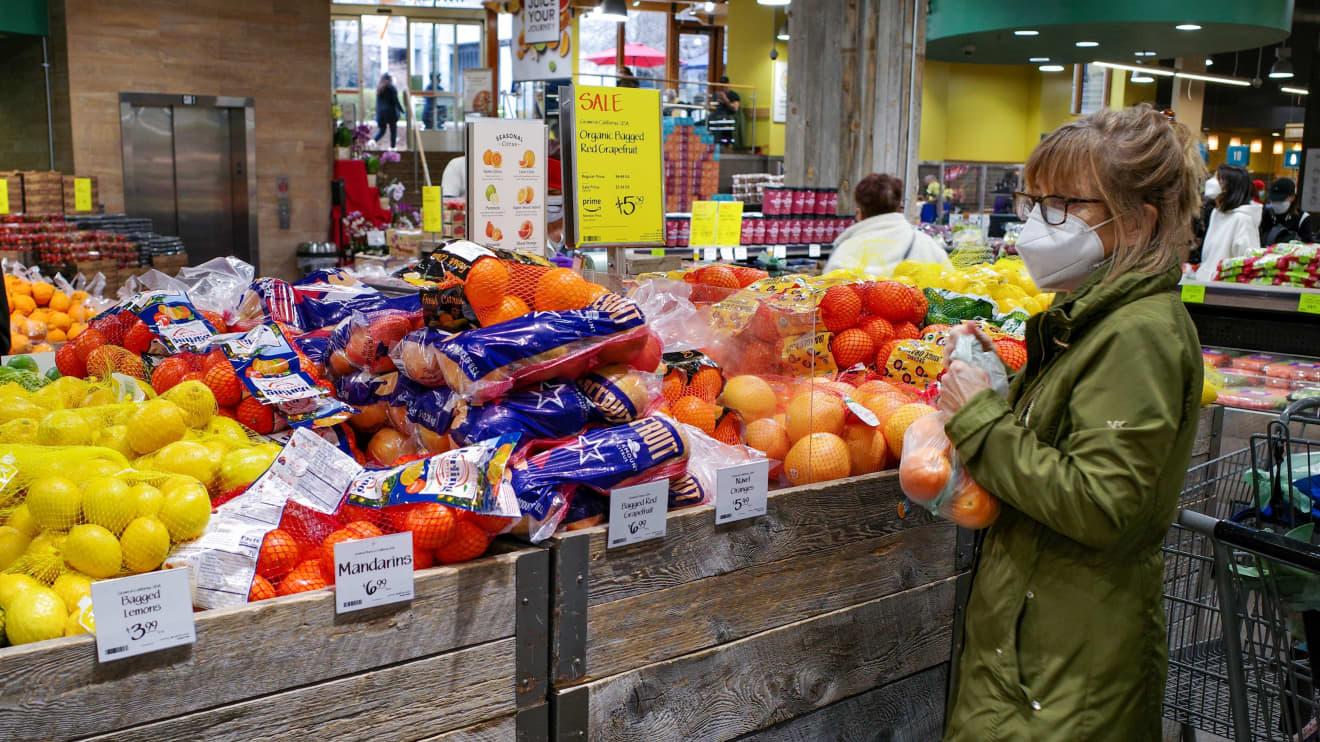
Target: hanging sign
[1237,155]
[540,21]
[433,216]
[506,183]
[550,57]
[618,173]
[1292,159]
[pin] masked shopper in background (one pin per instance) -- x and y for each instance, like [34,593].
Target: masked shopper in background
[1234,225]
[1064,632]
[882,238]
[1284,220]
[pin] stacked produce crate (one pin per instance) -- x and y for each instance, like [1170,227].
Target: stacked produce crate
[692,168]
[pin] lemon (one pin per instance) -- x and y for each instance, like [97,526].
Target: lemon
[1209,393]
[115,437]
[107,503]
[146,499]
[94,551]
[64,428]
[12,586]
[186,511]
[55,502]
[189,458]
[72,626]
[72,389]
[98,468]
[85,616]
[49,397]
[155,424]
[21,518]
[229,431]
[44,556]
[177,481]
[145,544]
[196,400]
[98,397]
[71,587]
[22,430]
[17,408]
[35,616]
[13,543]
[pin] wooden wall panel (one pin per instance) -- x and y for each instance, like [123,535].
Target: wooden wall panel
[274,51]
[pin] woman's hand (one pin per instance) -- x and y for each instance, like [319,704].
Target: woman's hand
[967,328]
[960,383]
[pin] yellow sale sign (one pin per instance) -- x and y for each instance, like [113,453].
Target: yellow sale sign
[703,223]
[82,194]
[433,217]
[618,170]
[4,196]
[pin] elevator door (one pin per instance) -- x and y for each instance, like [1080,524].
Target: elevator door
[187,167]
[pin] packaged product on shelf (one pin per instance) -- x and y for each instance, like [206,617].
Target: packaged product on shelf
[271,371]
[550,410]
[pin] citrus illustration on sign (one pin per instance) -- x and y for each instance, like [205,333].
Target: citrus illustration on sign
[618,166]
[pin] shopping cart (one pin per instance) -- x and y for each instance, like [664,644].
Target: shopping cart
[1242,589]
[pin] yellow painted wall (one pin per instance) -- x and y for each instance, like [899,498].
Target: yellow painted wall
[934,114]
[749,34]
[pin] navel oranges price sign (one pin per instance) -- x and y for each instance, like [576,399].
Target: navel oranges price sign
[618,170]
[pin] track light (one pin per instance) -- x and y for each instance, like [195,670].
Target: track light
[612,10]
[1283,67]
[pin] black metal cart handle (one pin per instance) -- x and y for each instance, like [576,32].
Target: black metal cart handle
[1299,406]
[1278,547]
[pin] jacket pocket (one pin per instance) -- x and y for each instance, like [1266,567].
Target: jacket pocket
[1019,673]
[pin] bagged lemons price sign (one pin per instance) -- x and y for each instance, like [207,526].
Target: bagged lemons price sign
[433,217]
[143,613]
[618,172]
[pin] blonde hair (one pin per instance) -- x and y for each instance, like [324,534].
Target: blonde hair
[1133,157]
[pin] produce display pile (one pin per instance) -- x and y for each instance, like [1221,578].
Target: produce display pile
[1285,264]
[43,312]
[1260,381]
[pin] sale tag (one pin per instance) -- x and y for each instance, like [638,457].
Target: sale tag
[740,491]
[703,223]
[729,223]
[373,571]
[637,513]
[375,238]
[4,196]
[1309,303]
[1192,294]
[739,253]
[709,255]
[142,613]
[433,217]
[726,253]
[82,194]
[813,251]
[781,251]
[658,252]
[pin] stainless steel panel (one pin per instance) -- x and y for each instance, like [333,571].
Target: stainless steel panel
[242,183]
[203,183]
[148,141]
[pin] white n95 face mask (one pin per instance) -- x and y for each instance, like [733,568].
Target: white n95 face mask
[1060,257]
[1212,188]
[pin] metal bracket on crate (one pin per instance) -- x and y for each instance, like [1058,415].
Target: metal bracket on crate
[531,628]
[568,660]
[533,724]
[569,713]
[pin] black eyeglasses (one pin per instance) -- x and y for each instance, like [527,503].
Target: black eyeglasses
[1053,208]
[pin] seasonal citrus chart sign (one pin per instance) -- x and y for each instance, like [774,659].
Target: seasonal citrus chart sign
[618,170]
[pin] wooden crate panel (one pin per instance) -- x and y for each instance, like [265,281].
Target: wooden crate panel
[909,710]
[407,701]
[249,651]
[768,678]
[636,631]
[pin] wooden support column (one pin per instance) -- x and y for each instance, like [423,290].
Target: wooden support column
[493,55]
[671,48]
[856,110]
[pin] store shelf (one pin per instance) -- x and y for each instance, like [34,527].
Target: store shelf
[1267,319]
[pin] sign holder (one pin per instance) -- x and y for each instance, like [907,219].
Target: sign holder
[492,129]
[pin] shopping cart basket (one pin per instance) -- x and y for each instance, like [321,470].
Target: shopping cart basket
[1242,590]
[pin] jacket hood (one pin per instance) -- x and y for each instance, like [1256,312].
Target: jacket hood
[1096,297]
[1253,210]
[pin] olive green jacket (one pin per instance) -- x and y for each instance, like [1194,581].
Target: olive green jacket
[1064,635]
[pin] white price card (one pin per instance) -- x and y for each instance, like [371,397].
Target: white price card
[740,491]
[373,571]
[739,253]
[637,513]
[375,238]
[726,253]
[813,251]
[142,613]
[781,251]
[709,254]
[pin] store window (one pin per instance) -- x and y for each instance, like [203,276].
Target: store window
[647,31]
[694,65]
[597,41]
[1093,93]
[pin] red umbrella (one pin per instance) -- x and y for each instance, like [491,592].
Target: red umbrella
[636,55]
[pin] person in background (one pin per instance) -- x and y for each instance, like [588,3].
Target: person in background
[430,108]
[388,109]
[453,181]
[1258,186]
[728,106]
[882,238]
[626,79]
[1234,225]
[1284,220]
[1210,192]
[1064,638]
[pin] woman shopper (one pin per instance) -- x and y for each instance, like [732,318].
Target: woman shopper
[1234,225]
[1064,634]
[389,109]
[882,238]
[1284,220]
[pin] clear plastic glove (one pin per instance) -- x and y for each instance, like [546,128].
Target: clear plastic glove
[967,328]
[972,367]
[960,383]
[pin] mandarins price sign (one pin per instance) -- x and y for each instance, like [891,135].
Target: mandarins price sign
[618,172]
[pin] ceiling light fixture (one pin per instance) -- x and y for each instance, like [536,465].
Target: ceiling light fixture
[1026,32]
[1051,68]
[1274,133]
[1141,78]
[1153,70]
[1295,91]
[1235,142]
[1256,145]
[1143,54]
[1039,59]
[1187,27]
[612,10]
[1087,44]
[782,34]
[1283,66]
[1211,143]
[1278,150]
[1224,79]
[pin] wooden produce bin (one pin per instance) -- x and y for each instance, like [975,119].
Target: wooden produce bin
[465,660]
[829,613]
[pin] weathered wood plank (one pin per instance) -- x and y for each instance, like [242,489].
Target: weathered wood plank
[249,651]
[502,729]
[909,710]
[406,701]
[799,521]
[640,630]
[771,677]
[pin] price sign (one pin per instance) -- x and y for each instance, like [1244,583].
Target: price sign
[709,254]
[739,253]
[781,251]
[813,251]
[703,223]
[82,194]
[373,571]
[433,217]
[658,252]
[4,196]
[618,172]
[506,204]
[142,613]
[637,513]
[726,253]
[740,491]
[375,238]
[728,230]
[1192,294]
[1309,303]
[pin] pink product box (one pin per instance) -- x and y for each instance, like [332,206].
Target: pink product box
[772,231]
[745,238]
[758,231]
